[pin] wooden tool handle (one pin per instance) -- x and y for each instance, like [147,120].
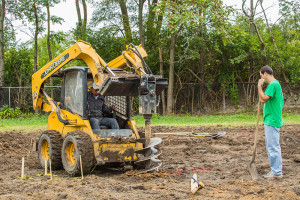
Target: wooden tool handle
[256,132]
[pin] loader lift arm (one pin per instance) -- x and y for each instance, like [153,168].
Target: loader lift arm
[83,50]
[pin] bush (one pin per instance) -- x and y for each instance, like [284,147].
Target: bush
[6,112]
[30,114]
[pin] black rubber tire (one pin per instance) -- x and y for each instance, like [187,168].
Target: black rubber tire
[54,141]
[82,145]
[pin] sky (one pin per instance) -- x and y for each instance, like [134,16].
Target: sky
[67,11]
[271,7]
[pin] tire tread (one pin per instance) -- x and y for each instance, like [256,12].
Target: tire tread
[85,149]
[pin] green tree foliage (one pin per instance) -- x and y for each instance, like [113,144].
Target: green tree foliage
[119,14]
[288,34]
[202,19]
[213,44]
[18,66]
[19,59]
[58,45]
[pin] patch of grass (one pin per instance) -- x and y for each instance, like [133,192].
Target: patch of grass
[240,119]
[24,124]
[40,123]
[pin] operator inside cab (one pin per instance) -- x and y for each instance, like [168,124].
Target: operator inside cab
[98,111]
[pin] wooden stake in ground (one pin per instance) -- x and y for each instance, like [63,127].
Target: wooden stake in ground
[50,169]
[22,170]
[81,167]
[46,167]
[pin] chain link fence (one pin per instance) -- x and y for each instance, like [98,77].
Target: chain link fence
[198,98]
[22,96]
[192,98]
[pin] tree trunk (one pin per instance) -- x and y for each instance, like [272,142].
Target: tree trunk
[125,20]
[159,23]
[251,32]
[171,75]
[153,26]
[84,13]
[141,30]
[151,17]
[193,97]
[161,69]
[263,46]
[202,33]
[48,35]
[35,35]
[79,25]
[48,42]
[2,17]
[83,28]
[150,23]
[78,13]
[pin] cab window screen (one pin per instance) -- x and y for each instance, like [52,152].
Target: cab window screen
[74,92]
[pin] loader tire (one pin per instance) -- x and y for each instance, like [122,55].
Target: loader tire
[49,146]
[77,143]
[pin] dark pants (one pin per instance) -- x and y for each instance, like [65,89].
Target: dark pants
[97,122]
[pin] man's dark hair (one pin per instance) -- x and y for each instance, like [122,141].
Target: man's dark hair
[267,69]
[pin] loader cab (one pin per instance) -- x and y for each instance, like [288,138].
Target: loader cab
[75,86]
[74,91]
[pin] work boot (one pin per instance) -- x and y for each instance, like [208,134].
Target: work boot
[271,175]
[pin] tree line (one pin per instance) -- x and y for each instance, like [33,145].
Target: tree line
[187,41]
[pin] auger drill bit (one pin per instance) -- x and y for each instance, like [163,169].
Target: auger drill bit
[149,156]
[149,152]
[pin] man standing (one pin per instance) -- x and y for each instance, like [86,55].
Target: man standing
[97,108]
[273,99]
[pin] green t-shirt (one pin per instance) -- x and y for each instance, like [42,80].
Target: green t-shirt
[273,107]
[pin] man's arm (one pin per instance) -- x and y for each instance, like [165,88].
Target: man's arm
[105,108]
[262,97]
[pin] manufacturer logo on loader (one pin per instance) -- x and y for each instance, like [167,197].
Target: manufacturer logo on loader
[54,65]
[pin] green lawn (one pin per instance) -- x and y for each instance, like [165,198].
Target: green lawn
[212,120]
[40,123]
[24,124]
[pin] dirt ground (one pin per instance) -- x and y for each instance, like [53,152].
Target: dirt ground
[221,164]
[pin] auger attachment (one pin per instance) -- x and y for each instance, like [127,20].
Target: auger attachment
[149,156]
[147,106]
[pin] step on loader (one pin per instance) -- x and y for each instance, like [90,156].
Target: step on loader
[70,136]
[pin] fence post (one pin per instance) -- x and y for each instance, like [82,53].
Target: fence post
[193,95]
[9,97]
[223,101]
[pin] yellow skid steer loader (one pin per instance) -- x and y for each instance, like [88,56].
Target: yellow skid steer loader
[70,136]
